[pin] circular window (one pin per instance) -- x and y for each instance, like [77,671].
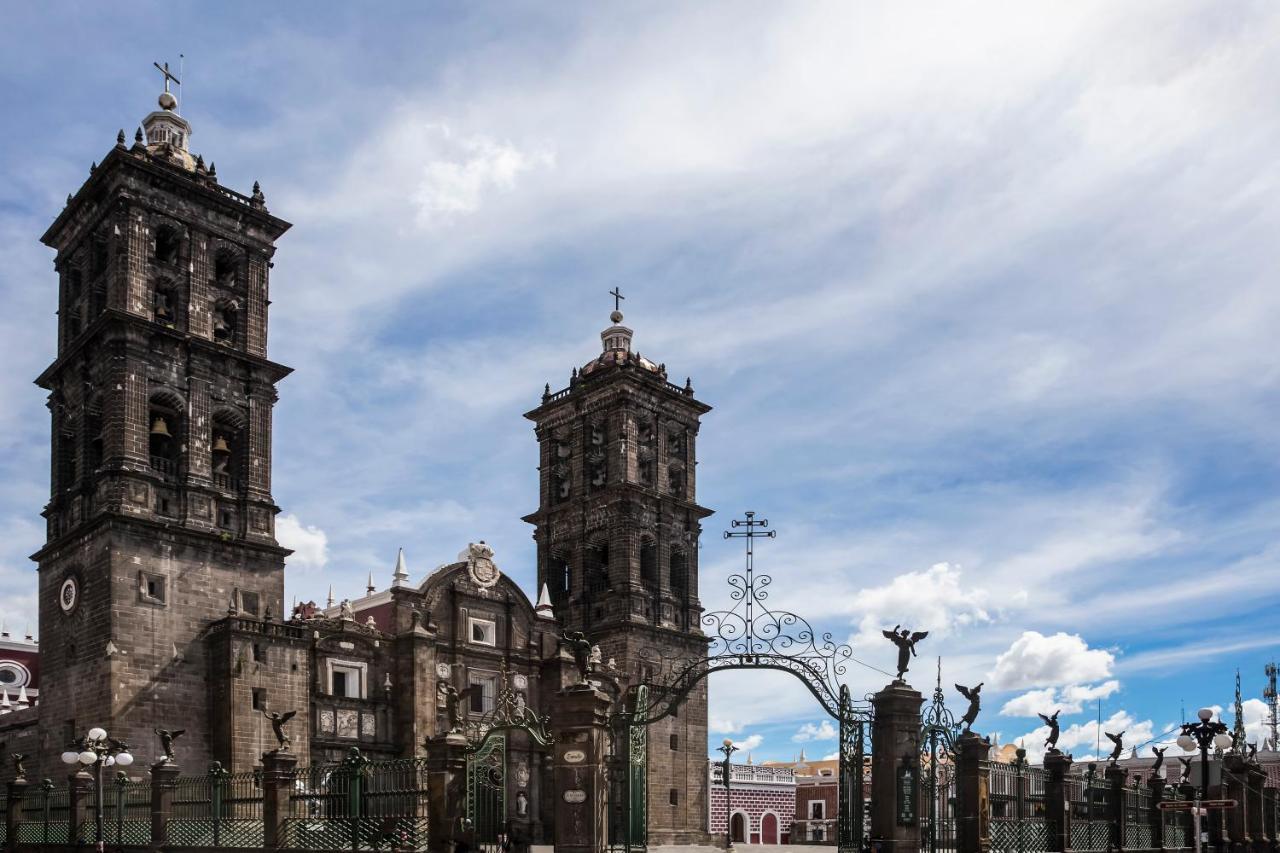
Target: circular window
[13,675]
[69,595]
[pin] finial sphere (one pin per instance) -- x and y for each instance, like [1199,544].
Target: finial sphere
[615,316]
[167,101]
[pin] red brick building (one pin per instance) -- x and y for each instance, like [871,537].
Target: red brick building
[761,803]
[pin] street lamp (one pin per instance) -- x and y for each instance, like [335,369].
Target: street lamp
[1201,735]
[99,751]
[728,749]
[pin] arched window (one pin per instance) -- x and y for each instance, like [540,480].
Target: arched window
[93,429]
[164,302]
[595,567]
[559,578]
[226,265]
[226,321]
[675,479]
[164,436]
[67,473]
[679,573]
[227,450]
[649,563]
[168,244]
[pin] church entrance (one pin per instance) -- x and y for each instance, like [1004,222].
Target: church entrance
[497,807]
[738,828]
[750,635]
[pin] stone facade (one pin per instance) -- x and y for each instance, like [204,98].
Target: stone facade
[617,530]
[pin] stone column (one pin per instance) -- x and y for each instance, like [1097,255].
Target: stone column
[164,780]
[1155,817]
[1057,808]
[446,789]
[1270,804]
[973,805]
[895,769]
[13,812]
[279,771]
[1257,778]
[1234,775]
[79,790]
[580,721]
[1116,776]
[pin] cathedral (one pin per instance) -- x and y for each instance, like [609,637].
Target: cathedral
[162,598]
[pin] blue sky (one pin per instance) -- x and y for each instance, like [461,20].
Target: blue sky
[984,297]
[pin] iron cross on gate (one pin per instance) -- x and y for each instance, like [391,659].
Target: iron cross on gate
[755,529]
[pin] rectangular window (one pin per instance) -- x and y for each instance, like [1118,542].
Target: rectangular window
[249,603]
[259,654]
[484,690]
[259,699]
[673,796]
[226,519]
[675,741]
[483,632]
[817,810]
[347,678]
[152,588]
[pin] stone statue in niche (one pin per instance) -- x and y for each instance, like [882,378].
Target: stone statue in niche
[522,804]
[347,614]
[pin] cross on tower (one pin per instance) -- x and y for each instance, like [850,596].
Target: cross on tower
[616,293]
[754,530]
[167,75]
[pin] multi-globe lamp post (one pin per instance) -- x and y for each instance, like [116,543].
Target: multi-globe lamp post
[98,751]
[1204,734]
[728,749]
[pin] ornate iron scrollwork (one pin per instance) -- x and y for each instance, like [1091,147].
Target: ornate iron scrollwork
[510,711]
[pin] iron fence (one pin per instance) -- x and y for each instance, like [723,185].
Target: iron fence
[358,805]
[218,809]
[1136,818]
[1017,808]
[1087,798]
[126,812]
[45,815]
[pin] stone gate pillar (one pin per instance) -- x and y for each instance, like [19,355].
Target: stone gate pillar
[1116,777]
[1057,808]
[1233,782]
[1155,817]
[973,804]
[279,773]
[446,789]
[579,725]
[1257,826]
[13,811]
[164,780]
[895,769]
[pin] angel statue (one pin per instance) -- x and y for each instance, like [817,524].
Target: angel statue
[581,648]
[1118,740]
[1253,752]
[1051,742]
[1186,770]
[453,699]
[906,641]
[19,771]
[278,722]
[166,742]
[975,704]
[1159,754]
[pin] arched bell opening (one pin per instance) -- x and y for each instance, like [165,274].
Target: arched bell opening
[228,451]
[164,438]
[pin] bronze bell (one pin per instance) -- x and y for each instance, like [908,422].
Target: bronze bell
[220,445]
[159,427]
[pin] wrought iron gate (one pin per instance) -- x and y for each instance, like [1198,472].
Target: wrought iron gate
[629,777]
[939,734]
[749,635]
[487,790]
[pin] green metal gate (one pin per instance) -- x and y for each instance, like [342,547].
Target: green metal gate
[487,790]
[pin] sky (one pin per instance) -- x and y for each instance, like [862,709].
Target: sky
[983,296]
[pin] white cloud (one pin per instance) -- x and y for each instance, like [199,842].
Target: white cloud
[832,756]
[749,742]
[1034,660]
[721,726]
[1068,700]
[819,731]
[310,544]
[934,600]
[466,170]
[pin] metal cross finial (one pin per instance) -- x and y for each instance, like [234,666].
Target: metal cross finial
[167,75]
[754,529]
[616,293]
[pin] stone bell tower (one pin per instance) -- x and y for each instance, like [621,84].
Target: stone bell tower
[160,518]
[617,534]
